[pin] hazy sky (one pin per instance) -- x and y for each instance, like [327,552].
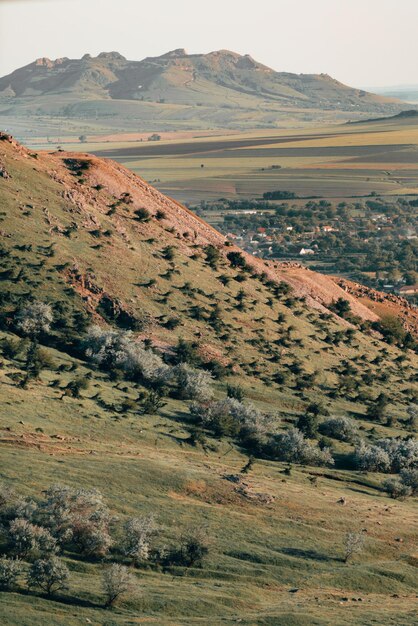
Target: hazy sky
[360,42]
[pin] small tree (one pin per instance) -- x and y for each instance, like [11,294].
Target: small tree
[354,543]
[50,575]
[138,532]
[308,425]
[10,570]
[117,581]
[153,402]
[212,256]
[194,547]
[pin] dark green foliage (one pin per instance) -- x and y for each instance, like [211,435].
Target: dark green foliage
[142,215]
[212,256]
[237,259]
[152,402]
[235,391]
[74,387]
[308,424]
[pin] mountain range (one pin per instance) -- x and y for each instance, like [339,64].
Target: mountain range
[219,89]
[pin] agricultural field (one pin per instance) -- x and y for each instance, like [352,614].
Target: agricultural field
[333,162]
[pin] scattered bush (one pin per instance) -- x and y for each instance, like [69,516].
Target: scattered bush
[117,581]
[410,478]
[50,575]
[78,518]
[341,428]
[28,540]
[192,384]
[369,458]
[118,350]
[402,453]
[291,446]
[34,319]
[138,532]
[10,570]
[233,418]
[396,488]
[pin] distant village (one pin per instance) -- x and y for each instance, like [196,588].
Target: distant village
[375,241]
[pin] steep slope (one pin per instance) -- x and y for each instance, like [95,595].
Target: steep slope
[202,87]
[108,243]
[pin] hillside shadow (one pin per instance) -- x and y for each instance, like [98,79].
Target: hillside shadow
[63,599]
[307,554]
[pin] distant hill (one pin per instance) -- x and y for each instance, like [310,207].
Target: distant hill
[410,117]
[407,93]
[199,90]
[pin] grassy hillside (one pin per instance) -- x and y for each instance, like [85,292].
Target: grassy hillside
[99,245]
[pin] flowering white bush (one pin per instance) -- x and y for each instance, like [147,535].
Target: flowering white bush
[34,318]
[292,446]
[116,349]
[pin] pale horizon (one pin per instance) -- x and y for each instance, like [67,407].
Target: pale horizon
[368,46]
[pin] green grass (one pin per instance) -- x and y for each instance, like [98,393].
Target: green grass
[143,464]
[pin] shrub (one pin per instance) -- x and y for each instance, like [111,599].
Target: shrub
[396,488]
[410,478]
[78,518]
[308,425]
[28,540]
[237,259]
[138,532]
[118,350]
[117,581]
[192,384]
[10,570]
[50,575]
[369,458]
[291,446]
[142,215]
[34,319]
[231,417]
[341,428]
[402,453]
